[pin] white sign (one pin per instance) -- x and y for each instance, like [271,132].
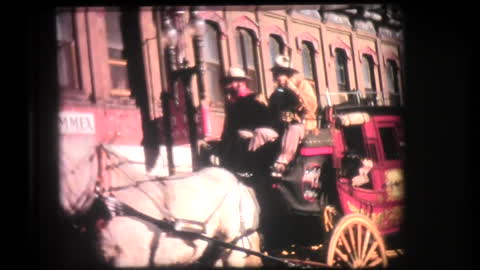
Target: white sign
[76,123]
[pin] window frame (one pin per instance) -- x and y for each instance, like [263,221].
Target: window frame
[312,52]
[281,46]
[354,139]
[311,59]
[368,59]
[395,139]
[123,62]
[339,52]
[72,49]
[392,76]
[217,103]
[242,54]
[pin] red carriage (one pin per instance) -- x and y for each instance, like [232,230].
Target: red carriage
[357,215]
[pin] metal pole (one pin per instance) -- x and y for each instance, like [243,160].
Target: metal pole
[166,97]
[200,71]
[192,125]
[186,74]
[200,66]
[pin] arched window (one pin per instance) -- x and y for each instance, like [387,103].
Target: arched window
[116,54]
[368,73]
[276,47]
[213,65]
[392,76]
[369,78]
[246,56]
[66,51]
[392,82]
[341,68]
[308,62]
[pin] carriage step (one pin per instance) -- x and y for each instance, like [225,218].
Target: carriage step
[394,253]
[309,263]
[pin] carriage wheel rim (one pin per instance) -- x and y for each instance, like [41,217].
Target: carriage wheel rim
[356,243]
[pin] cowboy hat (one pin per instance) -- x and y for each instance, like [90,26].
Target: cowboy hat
[283,63]
[235,73]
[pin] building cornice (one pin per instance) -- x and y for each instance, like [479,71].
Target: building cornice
[386,33]
[338,19]
[364,26]
[273,15]
[341,31]
[306,22]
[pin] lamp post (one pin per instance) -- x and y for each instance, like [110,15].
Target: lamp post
[184,74]
[166,96]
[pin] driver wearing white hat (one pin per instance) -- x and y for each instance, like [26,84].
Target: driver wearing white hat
[293,106]
[248,124]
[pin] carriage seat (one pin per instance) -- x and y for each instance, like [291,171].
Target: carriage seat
[317,138]
[318,142]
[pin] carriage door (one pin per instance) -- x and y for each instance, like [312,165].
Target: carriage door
[389,148]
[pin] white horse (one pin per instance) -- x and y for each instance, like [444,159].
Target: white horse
[211,196]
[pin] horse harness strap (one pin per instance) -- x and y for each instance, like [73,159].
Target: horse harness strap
[105,164]
[120,209]
[117,208]
[246,233]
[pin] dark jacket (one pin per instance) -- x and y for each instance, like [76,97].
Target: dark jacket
[283,100]
[245,113]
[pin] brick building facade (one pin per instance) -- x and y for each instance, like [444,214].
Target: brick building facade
[112,62]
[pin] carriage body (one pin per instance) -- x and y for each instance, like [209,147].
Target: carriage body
[379,138]
[364,214]
[374,133]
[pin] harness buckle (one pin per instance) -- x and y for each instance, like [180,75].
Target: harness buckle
[114,206]
[184,225]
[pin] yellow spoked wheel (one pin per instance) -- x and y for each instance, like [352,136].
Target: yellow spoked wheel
[356,243]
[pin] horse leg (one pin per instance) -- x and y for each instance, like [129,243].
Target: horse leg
[236,258]
[131,242]
[247,214]
[125,242]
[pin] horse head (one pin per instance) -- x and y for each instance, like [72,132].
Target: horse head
[77,173]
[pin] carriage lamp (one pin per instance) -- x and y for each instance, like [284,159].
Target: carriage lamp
[199,27]
[198,24]
[171,33]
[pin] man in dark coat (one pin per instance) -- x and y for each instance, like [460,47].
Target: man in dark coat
[248,124]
